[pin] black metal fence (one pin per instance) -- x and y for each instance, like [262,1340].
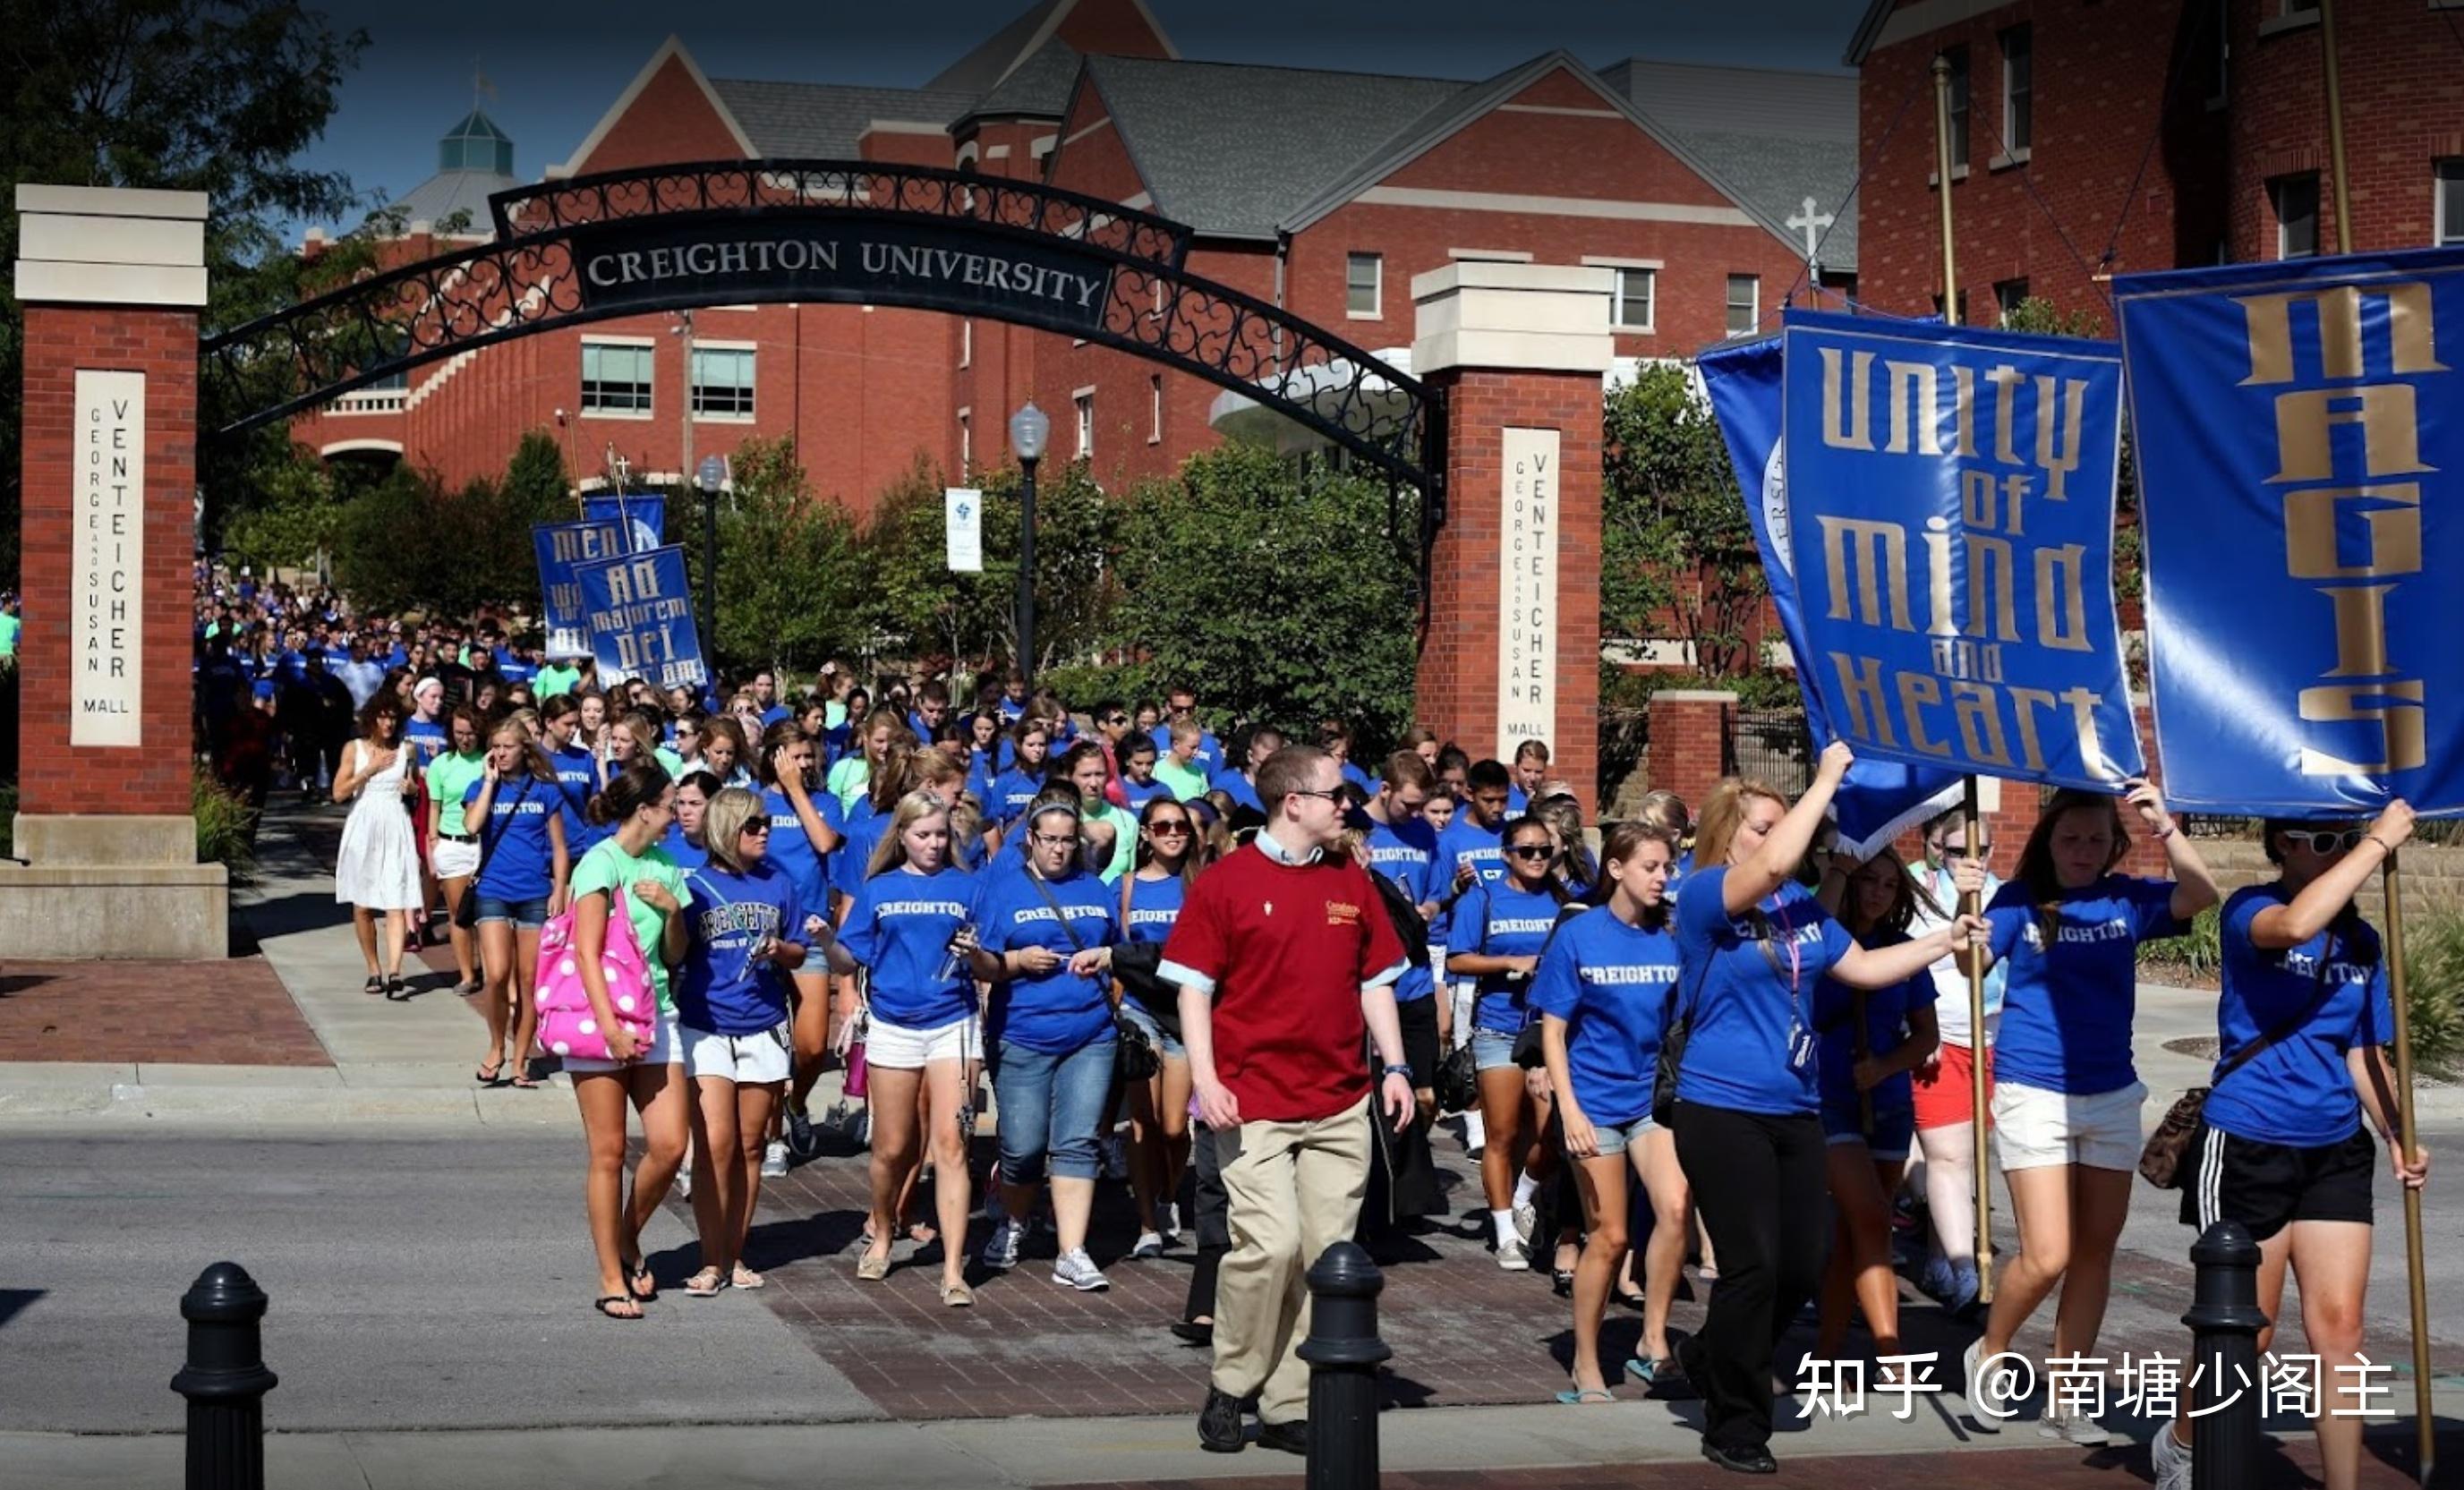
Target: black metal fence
[1774,745]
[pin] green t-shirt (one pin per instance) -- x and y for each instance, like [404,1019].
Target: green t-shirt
[1187,785]
[448,779]
[670,763]
[834,715]
[1125,840]
[9,626]
[608,866]
[556,678]
[848,781]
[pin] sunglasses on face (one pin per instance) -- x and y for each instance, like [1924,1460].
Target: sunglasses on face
[1531,850]
[1333,794]
[2329,841]
[1169,829]
[751,829]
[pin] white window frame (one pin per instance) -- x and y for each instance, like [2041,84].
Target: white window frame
[2442,231]
[2014,148]
[2275,207]
[644,344]
[1376,285]
[966,439]
[1728,304]
[966,342]
[751,351]
[1154,408]
[1618,298]
[1082,403]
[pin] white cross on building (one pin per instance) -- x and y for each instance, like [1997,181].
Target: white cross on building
[1813,222]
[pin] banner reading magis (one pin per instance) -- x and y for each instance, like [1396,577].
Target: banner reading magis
[1950,495]
[2301,438]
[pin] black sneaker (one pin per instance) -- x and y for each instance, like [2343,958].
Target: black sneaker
[1219,1423]
[1741,1460]
[1290,1437]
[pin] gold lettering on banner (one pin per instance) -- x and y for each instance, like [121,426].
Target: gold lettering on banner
[1879,551]
[1869,714]
[2342,495]
[1853,435]
[1912,408]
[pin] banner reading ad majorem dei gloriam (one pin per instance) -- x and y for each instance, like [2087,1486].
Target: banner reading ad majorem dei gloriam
[1950,500]
[640,620]
[2301,441]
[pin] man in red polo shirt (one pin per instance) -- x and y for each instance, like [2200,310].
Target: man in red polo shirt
[1286,960]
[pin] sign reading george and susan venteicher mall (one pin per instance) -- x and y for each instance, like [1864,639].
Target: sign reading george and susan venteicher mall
[820,257]
[106,557]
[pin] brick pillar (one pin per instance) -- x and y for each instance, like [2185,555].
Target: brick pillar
[1689,733]
[110,281]
[1513,652]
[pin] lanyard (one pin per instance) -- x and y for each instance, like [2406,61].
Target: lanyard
[1795,965]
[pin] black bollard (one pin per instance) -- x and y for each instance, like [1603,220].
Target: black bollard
[225,1380]
[1344,1352]
[2224,1321]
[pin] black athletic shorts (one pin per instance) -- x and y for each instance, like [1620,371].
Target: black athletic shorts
[2267,1186]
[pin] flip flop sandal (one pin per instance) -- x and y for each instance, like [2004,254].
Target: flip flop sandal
[1586,1396]
[396,989]
[637,1278]
[374,985]
[602,1302]
[708,1283]
[746,1277]
[491,1080]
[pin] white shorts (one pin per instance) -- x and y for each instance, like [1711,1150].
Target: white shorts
[455,861]
[894,1048]
[667,1048]
[2035,1127]
[746,1060]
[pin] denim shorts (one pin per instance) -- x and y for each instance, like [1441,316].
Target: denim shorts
[1895,1130]
[1049,1106]
[1136,1014]
[1492,1050]
[1617,1138]
[527,915]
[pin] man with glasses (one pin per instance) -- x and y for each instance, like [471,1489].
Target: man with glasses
[1944,1085]
[1286,961]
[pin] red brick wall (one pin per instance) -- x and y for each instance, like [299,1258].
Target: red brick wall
[163,345]
[1458,677]
[671,119]
[1690,742]
[1109,27]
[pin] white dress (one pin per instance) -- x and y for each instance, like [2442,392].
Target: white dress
[379,865]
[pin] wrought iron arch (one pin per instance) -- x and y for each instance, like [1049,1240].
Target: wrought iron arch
[531,278]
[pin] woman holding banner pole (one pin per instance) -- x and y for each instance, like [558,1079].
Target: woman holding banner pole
[2067,1096]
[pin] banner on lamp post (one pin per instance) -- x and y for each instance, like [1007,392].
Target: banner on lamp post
[962,512]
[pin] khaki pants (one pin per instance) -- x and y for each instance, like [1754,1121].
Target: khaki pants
[1295,1190]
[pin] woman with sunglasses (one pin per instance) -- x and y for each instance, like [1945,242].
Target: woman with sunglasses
[1044,927]
[1151,899]
[1604,989]
[2066,1092]
[1944,1086]
[746,938]
[2303,1021]
[1495,936]
[907,926]
[1752,944]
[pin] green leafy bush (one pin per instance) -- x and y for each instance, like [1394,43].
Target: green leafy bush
[225,826]
[2195,958]
[2433,941]
[1128,684]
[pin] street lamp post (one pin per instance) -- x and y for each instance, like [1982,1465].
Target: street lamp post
[710,477]
[1027,429]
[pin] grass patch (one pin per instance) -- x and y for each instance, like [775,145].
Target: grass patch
[2434,967]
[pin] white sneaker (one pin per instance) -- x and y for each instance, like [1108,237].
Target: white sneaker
[2074,1428]
[1474,1134]
[2173,1459]
[1526,1220]
[1149,1245]
[1075,1269]
[1000,1248]
[684,1183]
[1169,1223]
[1987,1416]
[1511,1257]
[774,1160]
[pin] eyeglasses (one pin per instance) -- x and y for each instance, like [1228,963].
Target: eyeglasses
[2330,842]
[1119,719]
[1531,851]
[1169,829]
[1333,794]
[751,829]
[1054,839]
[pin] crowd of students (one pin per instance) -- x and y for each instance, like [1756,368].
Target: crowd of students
[934,895]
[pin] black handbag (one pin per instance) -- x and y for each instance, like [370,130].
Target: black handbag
[1137,967]
[1457,1087]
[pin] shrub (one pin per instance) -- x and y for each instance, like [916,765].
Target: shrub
[2193,958]
[1128,684]
[225,826]
[2433,942]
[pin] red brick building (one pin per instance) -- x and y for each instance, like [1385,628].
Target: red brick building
[1324,192]
[2180,132]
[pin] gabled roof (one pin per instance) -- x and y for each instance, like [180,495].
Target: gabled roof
[1771,137]
[825,121]
[985,68]
[1868,32]
[1039,88]
[1450,116]
[1232,149]
[671,47]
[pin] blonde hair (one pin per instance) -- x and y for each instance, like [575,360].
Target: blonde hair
[1723,812]
[722,825]
[892,851]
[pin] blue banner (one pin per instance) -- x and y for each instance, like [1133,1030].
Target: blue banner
[1952,501]
[561,545]
[642,620]
[1880,797]
[2300,459]
[643,515]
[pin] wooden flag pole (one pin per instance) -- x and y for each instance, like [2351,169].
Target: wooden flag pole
[1973,957]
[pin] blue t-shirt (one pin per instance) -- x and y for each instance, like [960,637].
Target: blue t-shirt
[1011,793]
[688,854]
[899,927]
[2297,1091]
[577,776]
[2066,1014]
[1137,794]
[521,862]
[719,988]
[1465,842]
[792,850]
[1886,1025]
[1748,982]
[1500,921]
[862,833]
[1243,791]
[1612,984]
[428,737]
[1154,905]
[1358,778]
[1407,853]
[1058,1012]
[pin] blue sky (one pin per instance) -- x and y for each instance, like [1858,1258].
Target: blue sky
[557,64]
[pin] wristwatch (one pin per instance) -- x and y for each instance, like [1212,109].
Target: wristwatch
[1398,1070]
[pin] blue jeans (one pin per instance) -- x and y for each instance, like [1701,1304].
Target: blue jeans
[1051,1107]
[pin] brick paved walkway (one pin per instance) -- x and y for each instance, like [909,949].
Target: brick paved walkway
[1462,1331]
[229,1013]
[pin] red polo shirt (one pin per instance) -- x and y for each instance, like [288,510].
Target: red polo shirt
[1288,947]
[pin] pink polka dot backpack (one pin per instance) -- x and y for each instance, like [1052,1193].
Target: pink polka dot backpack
[567,1025]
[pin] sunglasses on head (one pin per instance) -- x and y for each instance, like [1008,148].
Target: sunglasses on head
[2329,841]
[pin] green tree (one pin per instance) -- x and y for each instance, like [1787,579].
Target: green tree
[918,608]
[295,521]
[1279,591]
[1675,540]
[788,572]
[212,95]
